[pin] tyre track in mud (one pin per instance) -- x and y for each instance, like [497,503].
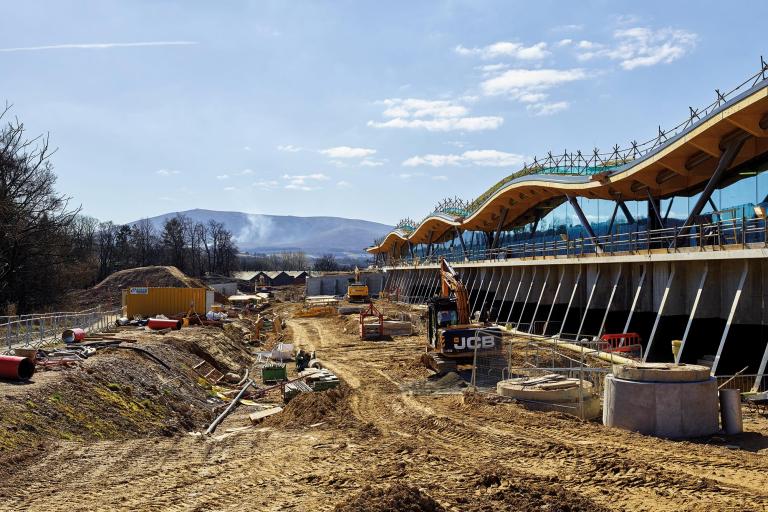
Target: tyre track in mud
[607,465]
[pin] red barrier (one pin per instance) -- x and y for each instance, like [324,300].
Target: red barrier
[16,368]
[626,342]
[164,323]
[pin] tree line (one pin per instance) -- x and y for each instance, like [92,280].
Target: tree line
[47,247]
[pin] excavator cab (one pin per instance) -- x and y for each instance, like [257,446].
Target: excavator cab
[443,313]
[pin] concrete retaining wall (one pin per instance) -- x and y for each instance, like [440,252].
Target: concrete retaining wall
[336,284]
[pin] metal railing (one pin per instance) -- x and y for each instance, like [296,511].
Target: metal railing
[702,237]
[38,331]
[744,382]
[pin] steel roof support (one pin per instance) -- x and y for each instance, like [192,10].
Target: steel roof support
[502,220]
[460,236]
[726,159]
[626,212]
[731,314]
[613,217]
[653,206]
[584,222]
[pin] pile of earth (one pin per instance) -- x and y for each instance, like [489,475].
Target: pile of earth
[395,498]
[108,292]
[118,393]
[499,489]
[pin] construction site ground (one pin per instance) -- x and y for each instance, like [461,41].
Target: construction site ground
[373,444]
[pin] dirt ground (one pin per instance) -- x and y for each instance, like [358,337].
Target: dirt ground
[372,445]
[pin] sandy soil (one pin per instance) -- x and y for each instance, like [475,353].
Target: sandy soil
[380,445]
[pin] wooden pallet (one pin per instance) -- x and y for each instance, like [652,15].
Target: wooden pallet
[208,372]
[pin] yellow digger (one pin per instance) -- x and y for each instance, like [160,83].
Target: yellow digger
[357,291]
[451,338]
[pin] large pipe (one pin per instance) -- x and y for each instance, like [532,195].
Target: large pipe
[164,323]
[73,335]
[16,368]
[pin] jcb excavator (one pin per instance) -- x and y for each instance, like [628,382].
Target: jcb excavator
[357,291]
[452,339]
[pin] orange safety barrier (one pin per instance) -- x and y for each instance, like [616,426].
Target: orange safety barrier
[626,342]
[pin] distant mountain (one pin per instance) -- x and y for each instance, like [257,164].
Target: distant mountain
[276,233]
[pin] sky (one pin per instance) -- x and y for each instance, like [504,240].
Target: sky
[369,110]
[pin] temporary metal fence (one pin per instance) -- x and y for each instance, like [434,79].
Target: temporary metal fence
[535,357]
[37,331]
[755,382]
[721,235]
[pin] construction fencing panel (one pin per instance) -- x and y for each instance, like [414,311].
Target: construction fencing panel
[538,359]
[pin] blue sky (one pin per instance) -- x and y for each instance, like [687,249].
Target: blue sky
[372,110]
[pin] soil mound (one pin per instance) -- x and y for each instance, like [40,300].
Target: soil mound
[108,292]
[330,406]
[396,498]
[501,490]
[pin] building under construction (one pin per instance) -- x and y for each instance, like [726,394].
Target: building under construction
[667,239]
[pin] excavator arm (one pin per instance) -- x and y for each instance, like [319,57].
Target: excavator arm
[451,284]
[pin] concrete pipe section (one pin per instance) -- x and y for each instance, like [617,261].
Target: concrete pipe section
[661,399]
[553,393]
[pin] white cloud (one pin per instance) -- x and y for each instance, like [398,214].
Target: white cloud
[247,148]
[245,172]
[343,184]
[405,176]
[265,184]
[564,42]
[166,172]
[222,177]
[303,182]
[433,115]
[230,189]
[517,82]
[547,109]
[348,152]
[97,46]
[289,148]
[573,27]
[641,46]
[371,163]
[433,160]
[440,177]
[480,157]
[506,49]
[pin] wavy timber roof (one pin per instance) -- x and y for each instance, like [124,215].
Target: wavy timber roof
[678,162]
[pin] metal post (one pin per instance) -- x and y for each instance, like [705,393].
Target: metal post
[538,303]
[731,314]
[570,301]
[635,299]
[527,296]
[610,301]
[554,301]
[694,307]
[589,301]
[661,310]
[626,212]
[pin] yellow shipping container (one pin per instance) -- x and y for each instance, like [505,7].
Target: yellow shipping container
[146,301]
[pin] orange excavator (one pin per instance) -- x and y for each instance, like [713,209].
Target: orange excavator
[451,338]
